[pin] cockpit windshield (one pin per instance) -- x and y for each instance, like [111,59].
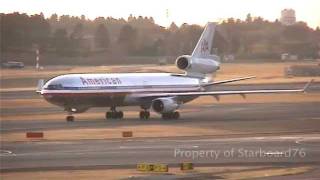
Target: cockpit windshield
[54,87]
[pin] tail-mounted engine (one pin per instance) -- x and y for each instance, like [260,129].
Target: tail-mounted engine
[195,65]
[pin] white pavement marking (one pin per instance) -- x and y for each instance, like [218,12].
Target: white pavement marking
[158,147]
[6,153]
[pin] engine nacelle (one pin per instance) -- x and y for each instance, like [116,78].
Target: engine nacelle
[197,65]
[164,105]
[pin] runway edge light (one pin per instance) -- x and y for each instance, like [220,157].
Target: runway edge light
[145,167]
[186,166]
[160,168]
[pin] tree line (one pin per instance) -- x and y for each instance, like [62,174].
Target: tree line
[140,36]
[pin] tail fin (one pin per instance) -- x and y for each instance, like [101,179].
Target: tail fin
[201,63]
[204,44]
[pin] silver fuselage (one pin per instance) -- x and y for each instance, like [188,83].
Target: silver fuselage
[83,91]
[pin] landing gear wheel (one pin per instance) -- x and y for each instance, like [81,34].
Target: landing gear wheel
[141,114]
[108,115]
[176,115]
[119,114]
[144,115]
[147,114]
[114,115]
[70,118]
[171,115]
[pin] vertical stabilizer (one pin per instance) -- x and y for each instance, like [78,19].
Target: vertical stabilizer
[201,63]
[204,44]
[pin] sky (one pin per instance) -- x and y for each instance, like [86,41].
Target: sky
[179,11]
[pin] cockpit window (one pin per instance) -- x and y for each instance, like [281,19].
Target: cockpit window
[55,87]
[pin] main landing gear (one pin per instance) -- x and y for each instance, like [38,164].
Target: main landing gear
[171,115]
[144,114]
[113,114]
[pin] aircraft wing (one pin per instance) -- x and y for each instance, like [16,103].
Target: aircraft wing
[227,81]
[220,93]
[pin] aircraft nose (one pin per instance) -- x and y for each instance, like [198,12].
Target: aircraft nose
[53,85]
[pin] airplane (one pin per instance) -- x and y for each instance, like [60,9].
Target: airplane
[162,92]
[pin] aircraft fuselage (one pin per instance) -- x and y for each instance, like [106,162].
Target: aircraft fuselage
[83,91]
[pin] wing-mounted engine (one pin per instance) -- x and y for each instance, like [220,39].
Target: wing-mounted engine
[196,66]
[165,105]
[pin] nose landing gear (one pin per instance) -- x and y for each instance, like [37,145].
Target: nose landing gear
[70,118]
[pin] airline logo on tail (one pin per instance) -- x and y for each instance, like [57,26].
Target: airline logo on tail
[204,47]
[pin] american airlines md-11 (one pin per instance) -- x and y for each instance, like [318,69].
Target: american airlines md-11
[163,92]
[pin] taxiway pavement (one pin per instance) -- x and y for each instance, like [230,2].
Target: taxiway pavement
[276,133]
[282,150]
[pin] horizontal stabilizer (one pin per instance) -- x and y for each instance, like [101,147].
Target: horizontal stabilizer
[227,81]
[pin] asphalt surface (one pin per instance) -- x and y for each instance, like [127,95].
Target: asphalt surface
[260,150]
[270,131]
[281,134]
[246,117]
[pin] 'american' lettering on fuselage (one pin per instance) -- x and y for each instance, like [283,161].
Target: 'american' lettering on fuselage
[100,81]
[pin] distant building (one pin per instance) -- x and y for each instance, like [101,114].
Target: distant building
[287,56]
[288,17]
